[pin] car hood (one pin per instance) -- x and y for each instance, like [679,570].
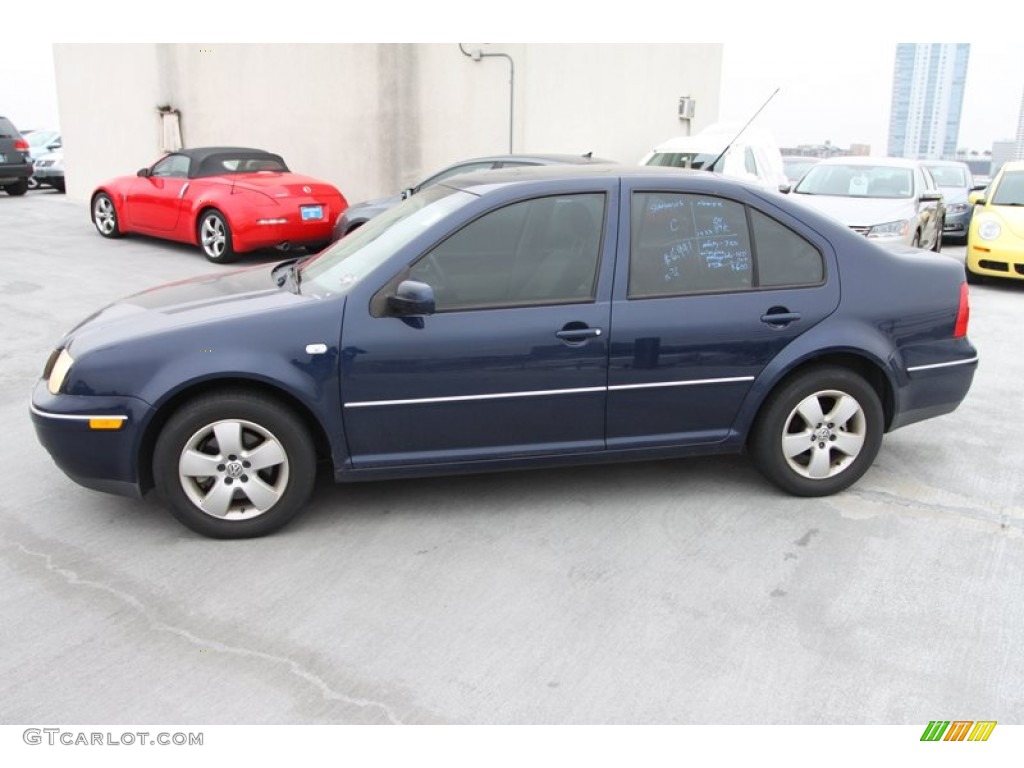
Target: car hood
[197,301]
[375,206]
[953,195]
[860,211]
[1011,216]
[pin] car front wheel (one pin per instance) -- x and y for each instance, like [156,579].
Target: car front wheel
[234,465]
[819,432]
[104,216]
[215,238]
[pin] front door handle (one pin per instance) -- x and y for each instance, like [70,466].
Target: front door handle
[779,317]
[577,332]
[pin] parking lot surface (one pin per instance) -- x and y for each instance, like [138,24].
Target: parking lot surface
[664,592]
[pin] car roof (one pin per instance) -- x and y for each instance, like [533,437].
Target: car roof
[542,158]
[535,173]
[896,162]
[202,153]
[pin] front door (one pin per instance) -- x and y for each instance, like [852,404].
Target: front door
[514,361]
[155,201]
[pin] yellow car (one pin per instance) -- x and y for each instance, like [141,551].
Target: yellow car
[995,242]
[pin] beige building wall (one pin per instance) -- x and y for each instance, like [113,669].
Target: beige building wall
[374,118]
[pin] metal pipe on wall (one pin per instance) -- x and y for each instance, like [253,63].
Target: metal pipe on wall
[478,54]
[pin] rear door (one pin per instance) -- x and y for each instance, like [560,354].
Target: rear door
[708,290]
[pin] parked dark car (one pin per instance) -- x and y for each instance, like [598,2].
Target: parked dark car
[513,319]
[359,214]
[15,163]
[955,182]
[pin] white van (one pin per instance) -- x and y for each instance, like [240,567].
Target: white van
[754,156]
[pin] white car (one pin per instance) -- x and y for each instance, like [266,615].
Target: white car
[752,155]
[890,199]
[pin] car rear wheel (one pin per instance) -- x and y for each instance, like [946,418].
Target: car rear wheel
[234,465]
[215,238]
[819,432]
[17,189]
[937,246]
[104,216]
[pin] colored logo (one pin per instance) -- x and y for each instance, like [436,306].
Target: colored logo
[958,730]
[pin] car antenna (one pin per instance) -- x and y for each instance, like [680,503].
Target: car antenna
[711,167]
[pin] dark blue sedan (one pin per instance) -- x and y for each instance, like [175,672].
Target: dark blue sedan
[514,319]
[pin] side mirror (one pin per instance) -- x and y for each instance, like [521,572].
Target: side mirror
[930,196]
[785,188]
[407,193]
[979,187]
[55,145]
[411,298]
[977,197]
[143,172]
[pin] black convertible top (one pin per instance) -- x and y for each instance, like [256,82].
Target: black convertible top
[210,161]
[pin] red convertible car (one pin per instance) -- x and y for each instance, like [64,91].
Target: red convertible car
[226,200]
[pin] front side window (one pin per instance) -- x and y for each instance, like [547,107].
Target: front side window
[688,244]
[172,166]
[540,251]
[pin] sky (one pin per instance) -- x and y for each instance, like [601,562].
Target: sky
[833,68]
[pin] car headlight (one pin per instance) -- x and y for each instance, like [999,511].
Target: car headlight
[889,229]
[956,208]
[56,371]
[989,230]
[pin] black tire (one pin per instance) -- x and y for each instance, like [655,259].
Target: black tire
[17,189]
[973,278]
[214,237]
[59,186]
[937,245]
[840,453]
[104,216]
[227,503]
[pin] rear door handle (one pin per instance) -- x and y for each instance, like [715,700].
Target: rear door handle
[779,319]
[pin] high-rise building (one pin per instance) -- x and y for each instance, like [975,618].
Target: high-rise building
[1018,150]
[927,95]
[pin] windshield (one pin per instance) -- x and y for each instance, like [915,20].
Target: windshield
[948,175]
[1010,190]
[38,139]
[344,264]
[879,181]
[695,160]
[796,167]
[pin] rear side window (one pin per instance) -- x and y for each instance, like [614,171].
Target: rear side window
[687,244]
[783,257]
[7,129]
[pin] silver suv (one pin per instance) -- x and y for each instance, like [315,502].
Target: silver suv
[15,164]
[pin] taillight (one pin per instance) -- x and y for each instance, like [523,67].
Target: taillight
[963,314]
[21,145]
